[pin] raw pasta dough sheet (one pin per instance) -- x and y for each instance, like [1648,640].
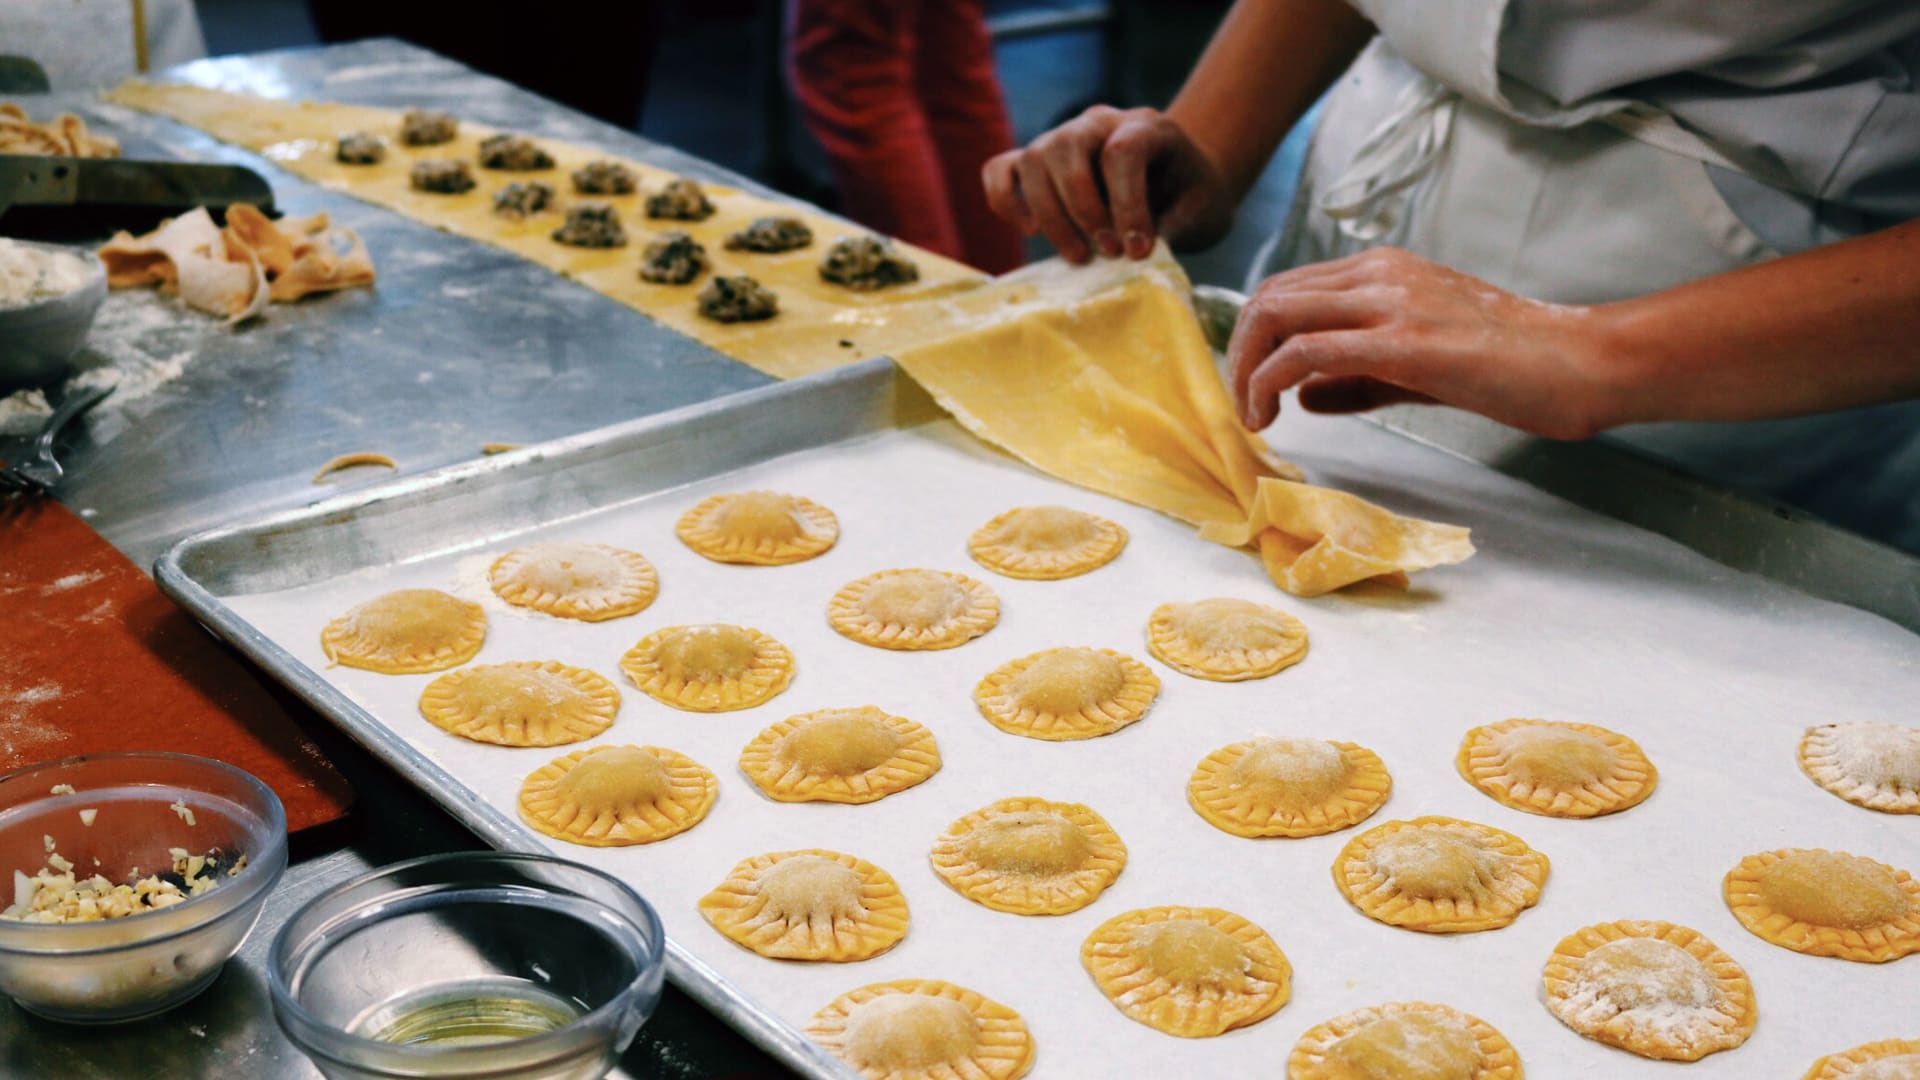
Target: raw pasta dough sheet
[1565,615]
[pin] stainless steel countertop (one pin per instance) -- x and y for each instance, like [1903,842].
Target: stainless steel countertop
[458,345]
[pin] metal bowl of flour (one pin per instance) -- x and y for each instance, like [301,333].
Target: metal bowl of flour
[40,334]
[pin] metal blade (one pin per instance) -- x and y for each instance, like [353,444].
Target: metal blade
[157,185]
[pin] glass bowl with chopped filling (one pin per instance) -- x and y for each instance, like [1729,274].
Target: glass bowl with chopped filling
[49,295]
[127,880]
[476,964]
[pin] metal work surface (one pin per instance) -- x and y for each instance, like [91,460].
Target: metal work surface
[1563,614]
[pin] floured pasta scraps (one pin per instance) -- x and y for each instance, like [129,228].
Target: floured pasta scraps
[1887,1059]
[237,270]
[1030,856]
[65,135]
[1288,786]
[809,905]
[1556,769]
[591,582]
[711,668]
[1868,763]
[1225,640]
[1650,988]
[614,796]
[764,528]
[354,460]
[523,703]
[1046,543]
[914,609]
[1827,903]
[840,756]
[1067,693]
[1440,875]
[1404,1040]
[1188,971]
[406,633]
[923,1029]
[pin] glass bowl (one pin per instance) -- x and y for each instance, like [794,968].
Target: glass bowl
[126,968]
[494,964]
[39,337]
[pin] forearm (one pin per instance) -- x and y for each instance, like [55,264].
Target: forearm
[1830,328]
[1267,64]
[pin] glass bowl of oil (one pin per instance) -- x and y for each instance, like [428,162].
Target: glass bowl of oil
[475,964]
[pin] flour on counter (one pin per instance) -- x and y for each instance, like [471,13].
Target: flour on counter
[140,342]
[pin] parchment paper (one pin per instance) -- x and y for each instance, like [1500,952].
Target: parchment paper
[1564,615]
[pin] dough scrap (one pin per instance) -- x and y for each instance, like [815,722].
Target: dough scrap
[711,668]
[1404,1040]
[1046,543]
[522,703]
[1030,856]
[1886,1059]
[1067,693]
[1556,769]
[1225,640]
[1868,763]
[406,632]
[840,756]
[809,905]
[924,1029]
[763,528]
[1288,786]
[616,796]
[913,609]
[590,582]
[1440,875]
[65,135]
[1650,988]
[1827,903]
[355,459]
[1188,971]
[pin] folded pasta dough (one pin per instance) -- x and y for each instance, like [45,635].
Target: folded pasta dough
[235,271]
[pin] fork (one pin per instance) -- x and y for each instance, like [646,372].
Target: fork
[43,472]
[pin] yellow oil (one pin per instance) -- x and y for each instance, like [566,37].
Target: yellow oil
[472,1015]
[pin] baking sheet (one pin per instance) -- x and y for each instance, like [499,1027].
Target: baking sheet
[1563,615]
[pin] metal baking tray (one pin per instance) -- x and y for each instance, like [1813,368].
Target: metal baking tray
[1564,613]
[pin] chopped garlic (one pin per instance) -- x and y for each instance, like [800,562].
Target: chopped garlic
[186,813]
[86,818]
[56,894]
[60,789]
[47,840]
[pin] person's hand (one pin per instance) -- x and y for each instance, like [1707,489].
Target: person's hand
[1384,327]
[1108,182]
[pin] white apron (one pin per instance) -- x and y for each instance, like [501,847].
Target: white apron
[1427,150]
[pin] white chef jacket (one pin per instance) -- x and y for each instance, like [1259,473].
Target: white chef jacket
[86,44]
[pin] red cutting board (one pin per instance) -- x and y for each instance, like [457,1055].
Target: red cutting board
[93,657]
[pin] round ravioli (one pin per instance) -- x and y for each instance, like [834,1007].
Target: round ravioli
[1887,1059]
[840,756]
[1046,543]
[1827,903]
[1440,875]
[924,1029]
[614,796]
[525,703]
[1650,988]
[1226,640]
[913,609]
[1030,856]
[1556,769]
[1868,763]
[590,582]
[1188,971]
[1404,1040]
[1070,693]
[1288,787]
[406,633]
[809,905]
[711,668]
[763,528]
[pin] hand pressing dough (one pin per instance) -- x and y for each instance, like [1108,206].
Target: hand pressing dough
[1867,763]
[1030,856]
[1188,971]
[1288,786]
[1440,875]
[1887,1059]
[809,905]
[1070,693]
[840,756]
[615,796]
[1556,769]
[1650,988]
[1404,1040]
[1046,543]
[1226,640]
[524,703]
[406,633]
[924,1029]
[1827,903]
[590,582]
[763,528]
[914,609]
[713,668]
